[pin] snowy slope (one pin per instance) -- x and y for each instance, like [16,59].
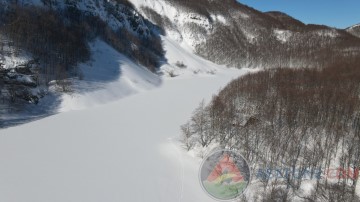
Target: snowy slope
[194,64]
[231,33]
[125,148]
[354,30]
[110,146]
[182,32]
[109,76]
[123,151]
[354,27]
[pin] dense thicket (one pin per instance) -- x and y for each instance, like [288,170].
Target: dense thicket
[44,34]
[289,118]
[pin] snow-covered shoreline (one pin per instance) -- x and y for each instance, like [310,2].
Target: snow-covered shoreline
[121,151]
[110,146]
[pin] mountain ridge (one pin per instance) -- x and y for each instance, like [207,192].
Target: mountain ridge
[227,33]
[245,37]
[354,30]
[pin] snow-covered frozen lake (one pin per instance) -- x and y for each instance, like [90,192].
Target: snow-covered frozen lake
[125,150]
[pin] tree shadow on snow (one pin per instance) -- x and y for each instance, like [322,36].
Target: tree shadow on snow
[22,113]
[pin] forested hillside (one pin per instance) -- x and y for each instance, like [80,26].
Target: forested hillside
[295,119]
[42,42]
[228,32]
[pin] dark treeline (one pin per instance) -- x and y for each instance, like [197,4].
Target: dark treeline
[44,34]
[313,46]
[289,118]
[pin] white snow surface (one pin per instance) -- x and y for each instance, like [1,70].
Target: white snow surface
[353,27]
[195,65]
[108,77]
[328,33]
[282,35]
[181,19]
[219,18]
[11,57]
[114,149]
[123,151]
[12,61]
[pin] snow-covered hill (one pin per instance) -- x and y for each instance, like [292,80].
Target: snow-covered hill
[116,138]
[127,150]
[230,33]
[354,30]
[110,76]
[27,70]
[224,32]
[114,147]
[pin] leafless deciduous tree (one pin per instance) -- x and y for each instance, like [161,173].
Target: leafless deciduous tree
[297,119]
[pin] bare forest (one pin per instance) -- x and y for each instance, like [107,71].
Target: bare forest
[305,118]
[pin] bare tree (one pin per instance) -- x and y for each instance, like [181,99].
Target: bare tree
[200,125]
[186,136]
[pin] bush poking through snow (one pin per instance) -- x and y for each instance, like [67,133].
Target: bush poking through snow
[172,73]
[180,65]
[186,137]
